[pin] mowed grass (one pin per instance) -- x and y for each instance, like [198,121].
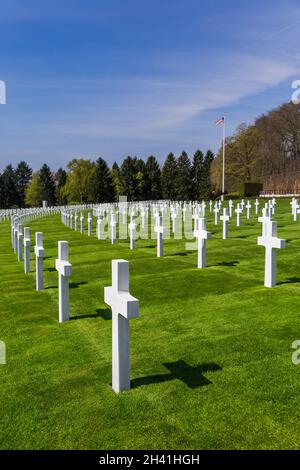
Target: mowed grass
[210,354]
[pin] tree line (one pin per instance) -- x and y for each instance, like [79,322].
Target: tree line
[267,152]
[86,181]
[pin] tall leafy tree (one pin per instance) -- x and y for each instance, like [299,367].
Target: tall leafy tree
[47,185]
[23,174]
[103,183]
[61,180]
[152,179]
[9,183]
[184,186]
[140,179]
[168,177]
[33,193]
[80,181]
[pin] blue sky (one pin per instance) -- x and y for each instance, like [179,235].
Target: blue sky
[113,78]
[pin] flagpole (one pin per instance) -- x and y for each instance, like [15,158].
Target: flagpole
[223,172]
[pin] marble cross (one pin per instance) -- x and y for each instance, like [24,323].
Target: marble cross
[89,221]
[124,307]
[81,223]
[76,222]
[99,227]
[225,218]
[238,211]
[202,235]
[132,231]
[39,260]
[64,269]
[264,220]
[20,243]
[271,242]
[113,228]
[248,207]
[216,211]
[231,206]
[159,229]
[27,244]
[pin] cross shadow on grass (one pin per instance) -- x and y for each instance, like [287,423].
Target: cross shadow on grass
[182,253]
[192,376]
[72,285]
[227,263]
[105,313]
[290,280]
[75,285]
[51,270]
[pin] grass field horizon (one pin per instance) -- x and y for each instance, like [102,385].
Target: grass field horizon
[211,351]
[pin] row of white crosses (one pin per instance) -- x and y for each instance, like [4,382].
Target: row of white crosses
[124,306]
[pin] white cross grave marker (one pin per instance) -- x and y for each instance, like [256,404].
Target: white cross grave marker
[75,222]
[271,242]
[89,221]
[64,269]
[20,243]
[159,229]
[99,227]
[238,211]
[264,220]
[231,206]
[39,260]
[225,218]
[216,211]
[113,229]
[202,235]
[81,223]
[132,230]
[26,250]
[248,207]
[124,307]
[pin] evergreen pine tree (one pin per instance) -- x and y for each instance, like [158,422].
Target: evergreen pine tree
[184,184]
[168,177]
[116,180]
[61,180]
[152,179]
[208,159]
[1,193]
[129,180]
[198,175]
[47,185]
[10,193]
[104,189]
[23,176]
[140,178]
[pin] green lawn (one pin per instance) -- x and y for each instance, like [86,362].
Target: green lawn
[210,354]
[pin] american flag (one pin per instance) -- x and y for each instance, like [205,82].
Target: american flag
[219,122]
